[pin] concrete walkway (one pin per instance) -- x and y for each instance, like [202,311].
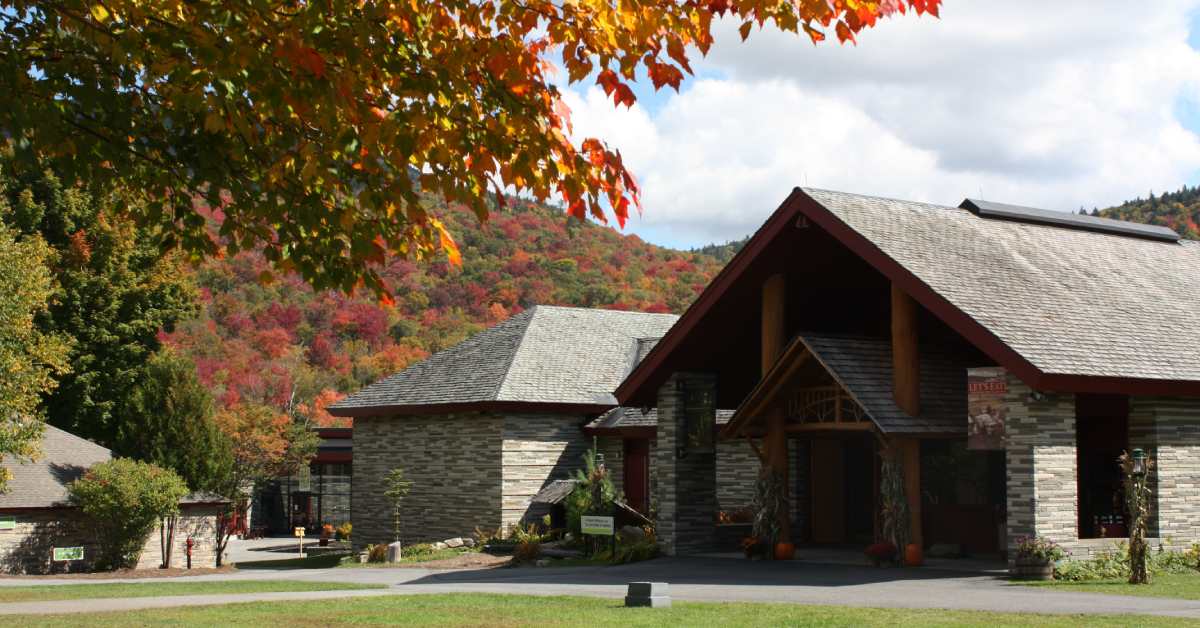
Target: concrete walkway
[697,579]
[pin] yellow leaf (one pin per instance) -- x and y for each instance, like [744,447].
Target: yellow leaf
[100,13]
[448,245]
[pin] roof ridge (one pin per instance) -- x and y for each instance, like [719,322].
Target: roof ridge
[512,356]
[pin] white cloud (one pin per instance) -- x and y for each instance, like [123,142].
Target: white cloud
[1058,105]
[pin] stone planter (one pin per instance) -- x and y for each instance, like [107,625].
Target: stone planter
[1028,569]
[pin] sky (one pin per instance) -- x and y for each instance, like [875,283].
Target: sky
[1061,105]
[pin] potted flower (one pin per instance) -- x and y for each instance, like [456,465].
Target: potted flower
[326,534]
[1036,557]
[881,553]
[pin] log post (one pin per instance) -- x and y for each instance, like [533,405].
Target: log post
[774,338]
[906,363]
[909,452]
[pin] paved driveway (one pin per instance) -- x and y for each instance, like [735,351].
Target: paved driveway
[700,579]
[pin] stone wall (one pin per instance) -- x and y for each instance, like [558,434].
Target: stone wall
[613,448]
[686,486]
[454,462]
[28,548]
[537,449]
[1169,430]
[1040,462]
[737,471]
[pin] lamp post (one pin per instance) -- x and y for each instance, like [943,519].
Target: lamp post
[1138,458]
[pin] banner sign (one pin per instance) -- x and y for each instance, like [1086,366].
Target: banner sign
[599,526]
[68,553]
[986,408]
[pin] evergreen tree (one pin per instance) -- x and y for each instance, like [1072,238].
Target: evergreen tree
[115,292]
[167,419]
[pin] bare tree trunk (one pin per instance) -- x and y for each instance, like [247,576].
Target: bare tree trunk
[166,540]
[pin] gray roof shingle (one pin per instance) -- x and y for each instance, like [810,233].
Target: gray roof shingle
[1070,302]
[42,483]
[547,354]
[863,367]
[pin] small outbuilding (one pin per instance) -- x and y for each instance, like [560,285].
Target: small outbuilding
[36,519]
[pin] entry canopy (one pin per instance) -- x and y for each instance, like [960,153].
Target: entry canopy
[839,382]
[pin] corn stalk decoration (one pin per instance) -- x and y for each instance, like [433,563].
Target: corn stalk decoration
[893,503]
[770,502]
[1137,502]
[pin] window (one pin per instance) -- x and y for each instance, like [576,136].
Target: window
[1101,435]
[699,420]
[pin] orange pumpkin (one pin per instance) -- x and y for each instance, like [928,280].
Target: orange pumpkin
[913,556]
[785,551]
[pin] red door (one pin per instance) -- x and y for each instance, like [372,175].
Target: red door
[637,474]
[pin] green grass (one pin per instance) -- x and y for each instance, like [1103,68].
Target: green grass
[157,589]
[1180,586]
[501,610]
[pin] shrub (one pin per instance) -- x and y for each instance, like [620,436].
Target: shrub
[344,530]
[377,553]
[1114,564]
[122,500]
[527,551]
[594,493]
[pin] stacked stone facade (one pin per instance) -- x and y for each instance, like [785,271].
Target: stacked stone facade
[1041,455]
[537,449]
[28,549]
[454,463]
[468,470]
[1041,465]
[687,493]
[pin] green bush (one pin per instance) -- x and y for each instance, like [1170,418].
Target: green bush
[122,500]
[593,494]
[1114,564]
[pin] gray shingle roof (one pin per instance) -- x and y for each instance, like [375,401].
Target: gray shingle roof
[1070,302]
[43,482]
[863,366]
[547,354]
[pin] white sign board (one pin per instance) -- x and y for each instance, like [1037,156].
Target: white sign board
[298,531]
[599,526]
[68,553]
[8,522]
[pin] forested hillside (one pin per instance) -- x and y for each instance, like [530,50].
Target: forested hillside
[284,345]
[1178,210]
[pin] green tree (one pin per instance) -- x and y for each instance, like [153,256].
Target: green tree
[122,501]
[594,492]
[397,488]
[115,291]
[29,358]
[168,420]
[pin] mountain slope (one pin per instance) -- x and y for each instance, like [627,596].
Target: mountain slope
[1178,210]
[284,345]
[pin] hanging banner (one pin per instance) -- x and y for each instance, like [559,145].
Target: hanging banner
[986,408]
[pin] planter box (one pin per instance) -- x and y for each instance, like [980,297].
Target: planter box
[1033,570]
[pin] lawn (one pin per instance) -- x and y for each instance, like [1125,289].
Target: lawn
[501,610]
[156,589]
[1181,586]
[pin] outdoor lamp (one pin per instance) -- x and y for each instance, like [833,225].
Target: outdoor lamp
[600,460]
[1139,461]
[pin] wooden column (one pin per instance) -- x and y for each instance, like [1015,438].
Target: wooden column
[906,363]
[909,452]
[774,339]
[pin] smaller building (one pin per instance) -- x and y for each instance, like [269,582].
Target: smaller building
[318,494]
[35,517]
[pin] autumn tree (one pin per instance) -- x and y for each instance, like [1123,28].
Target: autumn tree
[29,357]
[266,443]
[311,127]
[114,291]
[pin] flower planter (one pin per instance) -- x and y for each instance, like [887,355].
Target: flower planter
[1025,569]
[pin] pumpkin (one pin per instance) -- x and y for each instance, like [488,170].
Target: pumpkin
[785,551]
[913,556]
